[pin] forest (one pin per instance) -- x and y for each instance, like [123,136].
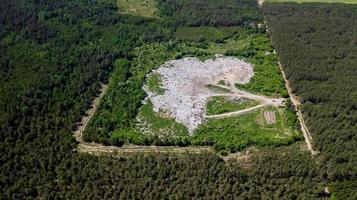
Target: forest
[319,58]
[54,55]
[210,12]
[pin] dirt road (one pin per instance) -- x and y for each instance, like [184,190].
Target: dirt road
[98,149]
[276,102]
[89,114]
[296,102]
[265,101]
[236,113]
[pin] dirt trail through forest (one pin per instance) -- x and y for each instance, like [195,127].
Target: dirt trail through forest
[98,149]
[89,114]
[296,102]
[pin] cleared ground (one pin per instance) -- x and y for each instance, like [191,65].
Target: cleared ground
[145,8]
[185,80]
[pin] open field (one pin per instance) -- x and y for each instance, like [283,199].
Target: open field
[236,133]
[144,8]
[313,1]
[224,104]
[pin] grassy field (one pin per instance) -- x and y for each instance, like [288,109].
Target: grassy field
[220,104]
[154,84]
[214,34]
[236,133]
[315,1]
[145,8]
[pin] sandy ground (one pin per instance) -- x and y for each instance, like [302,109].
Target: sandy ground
[185,81]
[270,117]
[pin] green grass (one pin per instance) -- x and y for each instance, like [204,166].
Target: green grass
[144,8]
[154,84]
[237,133]
[159,123]
[213,34]
[314,1]
[220,104]
[154,128]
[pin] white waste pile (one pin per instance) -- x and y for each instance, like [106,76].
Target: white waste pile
[185,81]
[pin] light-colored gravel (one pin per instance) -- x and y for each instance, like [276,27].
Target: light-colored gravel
[185,81]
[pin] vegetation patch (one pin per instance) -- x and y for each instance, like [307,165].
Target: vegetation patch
[237,133]
[222,104]
[200,34]
[144,8]
[154,84]
[159,123]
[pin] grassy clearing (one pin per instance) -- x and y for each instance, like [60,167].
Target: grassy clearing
[221,104]
[154,84]
[237,133]
[159,129]
[159,123]
[144,8]
[154,128]
[213,34]
[313,1]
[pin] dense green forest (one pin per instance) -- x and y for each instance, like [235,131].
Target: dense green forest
[319,58]
[210,12]
[53,55]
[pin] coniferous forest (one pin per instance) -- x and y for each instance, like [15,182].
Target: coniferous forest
[54,55]
[319,57]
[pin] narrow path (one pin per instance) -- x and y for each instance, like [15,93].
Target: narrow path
[296,102]
[236,113]
[98,149]
[265,101]
[89,114]
[276,102]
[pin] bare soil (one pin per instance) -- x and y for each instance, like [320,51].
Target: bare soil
[185,83]
[270,117]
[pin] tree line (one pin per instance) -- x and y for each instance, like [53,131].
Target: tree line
[319,58]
